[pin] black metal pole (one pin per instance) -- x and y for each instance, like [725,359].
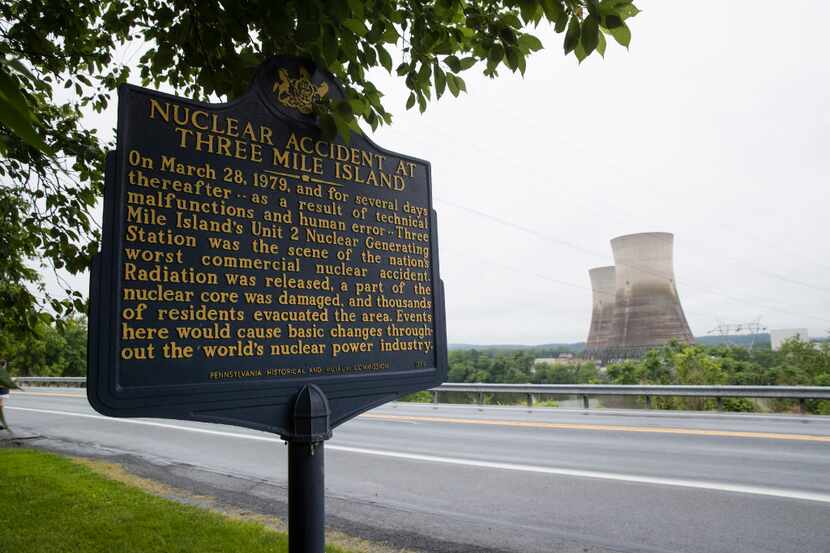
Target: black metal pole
[306,490]
[306,498]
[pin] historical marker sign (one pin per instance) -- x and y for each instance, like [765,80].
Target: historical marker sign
[244,257]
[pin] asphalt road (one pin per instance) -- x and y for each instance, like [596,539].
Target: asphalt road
[459,478]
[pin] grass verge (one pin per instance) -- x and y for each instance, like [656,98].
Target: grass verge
[54,505]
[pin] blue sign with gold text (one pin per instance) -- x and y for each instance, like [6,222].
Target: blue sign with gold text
[244,256]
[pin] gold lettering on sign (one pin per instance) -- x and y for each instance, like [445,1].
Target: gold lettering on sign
[254,251]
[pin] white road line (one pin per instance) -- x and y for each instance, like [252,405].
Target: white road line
[150,423]
[701,485]
[620,477]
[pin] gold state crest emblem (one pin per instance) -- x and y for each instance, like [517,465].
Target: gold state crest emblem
[299,93]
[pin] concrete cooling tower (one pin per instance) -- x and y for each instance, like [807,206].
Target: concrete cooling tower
[647,310]
[603,290]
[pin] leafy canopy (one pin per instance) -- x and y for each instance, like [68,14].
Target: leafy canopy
[51,167]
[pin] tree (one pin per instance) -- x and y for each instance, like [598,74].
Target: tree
[48,350]
[52,167]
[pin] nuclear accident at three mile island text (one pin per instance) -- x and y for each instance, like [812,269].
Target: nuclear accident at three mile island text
[249,242]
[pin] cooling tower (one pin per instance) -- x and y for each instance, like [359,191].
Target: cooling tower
[647,310]
[603,290]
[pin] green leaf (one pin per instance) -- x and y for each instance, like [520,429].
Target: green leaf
[357,8]
[530,42]
[572,35]
[510,20]
[15,114]
[344,108]
[440,80]
[512,57]
[529,10]
[601,43]
[621,34]
[453,63]
[452,84]
[629,10]
[608,6]
[384,57]
[467,63]
[560,24]
[376,32]
[424,73]
[356,26]
[10,91]
[390,35]
[589,37]
[612,6]
[17,66]
[410,101]
[328,126]
[343,128]
[330,48]
[612,21]
[402,69]
[579,52]
[496,53]
[554,11]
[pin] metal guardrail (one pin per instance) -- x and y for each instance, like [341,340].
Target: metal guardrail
[584,391]
[80,381]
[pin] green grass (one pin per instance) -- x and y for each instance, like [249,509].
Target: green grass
[50,504]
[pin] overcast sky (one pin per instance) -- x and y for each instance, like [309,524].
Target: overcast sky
[714,126]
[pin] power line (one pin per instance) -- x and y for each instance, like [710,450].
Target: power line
[623,169]
[617,210]
[549,238]
[525,271]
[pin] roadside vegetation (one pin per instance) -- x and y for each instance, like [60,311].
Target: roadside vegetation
[795,364]
[54,505]
[60,350]
[49,349]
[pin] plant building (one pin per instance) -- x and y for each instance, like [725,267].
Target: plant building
[635,303]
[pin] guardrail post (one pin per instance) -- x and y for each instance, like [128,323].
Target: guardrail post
[719,401]
[585,403]
[802,406]
[435,397]
[530,400]
[648,402]
[481,398]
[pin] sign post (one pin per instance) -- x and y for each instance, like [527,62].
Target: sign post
[306,490]
[253,273]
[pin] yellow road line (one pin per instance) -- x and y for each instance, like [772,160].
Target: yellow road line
[562,425]
[606,428]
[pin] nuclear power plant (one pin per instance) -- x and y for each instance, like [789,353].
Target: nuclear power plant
[635,303]
[604,291]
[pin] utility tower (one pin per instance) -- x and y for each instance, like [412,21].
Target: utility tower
[728,331]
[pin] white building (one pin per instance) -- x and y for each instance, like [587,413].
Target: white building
[779,336]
